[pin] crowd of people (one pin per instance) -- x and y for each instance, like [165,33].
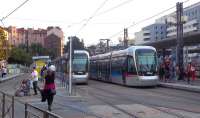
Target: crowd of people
[47,76]
[169,71]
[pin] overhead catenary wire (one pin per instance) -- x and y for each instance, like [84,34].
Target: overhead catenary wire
[146,19]
[83,20]
[2,23]
[92,16]
[115,7]
[104,12]
[143,20]
[10,13]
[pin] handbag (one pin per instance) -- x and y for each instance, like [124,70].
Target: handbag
[53,91]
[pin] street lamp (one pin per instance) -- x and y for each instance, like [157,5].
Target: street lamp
[70,65]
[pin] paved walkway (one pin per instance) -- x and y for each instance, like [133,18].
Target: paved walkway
[193,86]
[92,102]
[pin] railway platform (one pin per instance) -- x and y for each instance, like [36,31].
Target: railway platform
[193,86]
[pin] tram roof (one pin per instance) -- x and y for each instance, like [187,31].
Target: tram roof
[126,51]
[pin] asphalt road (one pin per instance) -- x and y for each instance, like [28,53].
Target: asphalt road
[106,100]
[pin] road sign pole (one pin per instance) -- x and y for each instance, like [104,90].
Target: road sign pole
[70,66]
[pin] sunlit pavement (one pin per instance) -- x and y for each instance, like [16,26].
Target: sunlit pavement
[105,100]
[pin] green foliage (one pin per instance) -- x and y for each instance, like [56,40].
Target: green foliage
[3,35]
[20,56]
[76,44]
[4,48]
[37,49]
[22,46]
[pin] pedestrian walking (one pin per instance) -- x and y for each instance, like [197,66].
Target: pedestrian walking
[49,87]
[162,72]
[193,72]
[4,72]
[43,73]
[34,75]
[188,72]
[177,72]
[167,69]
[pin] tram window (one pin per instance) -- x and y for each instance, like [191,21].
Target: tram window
[131,65]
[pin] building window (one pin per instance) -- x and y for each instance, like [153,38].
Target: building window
[156,37]
[192,13]
[161,27]
[161,32]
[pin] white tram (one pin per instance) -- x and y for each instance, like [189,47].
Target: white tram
[134,66]
[80,66]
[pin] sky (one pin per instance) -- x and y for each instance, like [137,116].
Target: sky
[72,15]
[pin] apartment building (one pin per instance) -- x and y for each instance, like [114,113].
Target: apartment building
[164,28]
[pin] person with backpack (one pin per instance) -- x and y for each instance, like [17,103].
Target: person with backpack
[49,87]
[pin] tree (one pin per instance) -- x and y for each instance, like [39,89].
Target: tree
[20,56]
[76,44]
[37,49]
[4,47]
[22,46]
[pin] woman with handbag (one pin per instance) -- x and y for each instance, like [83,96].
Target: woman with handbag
[49,86]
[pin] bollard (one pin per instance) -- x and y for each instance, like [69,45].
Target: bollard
[3,106]
[26,110]
[45,115]
[13,107]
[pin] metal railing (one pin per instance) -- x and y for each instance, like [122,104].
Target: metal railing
[8,108]
[64,82]
[7,105]
[35,112]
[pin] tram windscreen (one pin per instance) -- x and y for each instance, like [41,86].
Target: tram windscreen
[146,62]
[80,63]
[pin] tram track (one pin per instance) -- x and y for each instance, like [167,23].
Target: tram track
[97,96]
[175,96]
[147,91]
[77,109]
[154,106]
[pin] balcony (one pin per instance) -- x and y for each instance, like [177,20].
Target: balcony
[146,32]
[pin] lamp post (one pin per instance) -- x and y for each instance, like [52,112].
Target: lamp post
[70,66]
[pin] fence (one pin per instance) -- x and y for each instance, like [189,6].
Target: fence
[10,107]
[6,106]
[64,82]
[35,112]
